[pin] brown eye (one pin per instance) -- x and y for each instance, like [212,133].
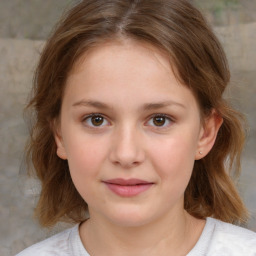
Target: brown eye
[97,120]
[159,120]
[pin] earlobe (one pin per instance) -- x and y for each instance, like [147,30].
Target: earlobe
[208,134]
[61,152]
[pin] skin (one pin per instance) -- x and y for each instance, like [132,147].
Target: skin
[128,142]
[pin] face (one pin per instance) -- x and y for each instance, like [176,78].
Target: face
[130,132]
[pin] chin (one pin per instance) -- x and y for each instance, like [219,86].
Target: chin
[130,217]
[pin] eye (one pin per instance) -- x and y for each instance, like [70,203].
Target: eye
[160,120]
[95,120]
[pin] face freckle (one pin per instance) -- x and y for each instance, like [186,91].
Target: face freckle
[134,166]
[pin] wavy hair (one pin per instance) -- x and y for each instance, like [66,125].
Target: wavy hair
[177,28]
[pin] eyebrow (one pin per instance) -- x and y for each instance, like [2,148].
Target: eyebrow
[147,106]
[91,103]
[157,105]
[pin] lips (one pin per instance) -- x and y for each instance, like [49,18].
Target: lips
[129,187]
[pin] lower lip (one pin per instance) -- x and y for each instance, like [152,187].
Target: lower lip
[128,191]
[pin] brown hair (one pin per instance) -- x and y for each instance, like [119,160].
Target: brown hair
[179,29]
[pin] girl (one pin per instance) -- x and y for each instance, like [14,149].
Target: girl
[132,135]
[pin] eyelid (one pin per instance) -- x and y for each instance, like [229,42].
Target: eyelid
[164,115]
[86,117]
[170,118]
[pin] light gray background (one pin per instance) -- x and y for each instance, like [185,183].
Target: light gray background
[24,26]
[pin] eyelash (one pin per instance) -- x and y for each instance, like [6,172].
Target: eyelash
[166,118]
[88,117]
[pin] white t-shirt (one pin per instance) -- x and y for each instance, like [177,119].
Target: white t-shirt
[217,239]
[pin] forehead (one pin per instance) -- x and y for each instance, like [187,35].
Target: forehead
[125,68]
[119,53]
[117,47]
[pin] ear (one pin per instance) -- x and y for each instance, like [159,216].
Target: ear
[208,134]
[61,152]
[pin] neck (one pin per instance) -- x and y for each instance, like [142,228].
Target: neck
[171,235]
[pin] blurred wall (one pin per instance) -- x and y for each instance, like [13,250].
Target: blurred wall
[24,26]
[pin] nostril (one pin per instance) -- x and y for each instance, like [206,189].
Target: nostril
[127,164]
[126,149]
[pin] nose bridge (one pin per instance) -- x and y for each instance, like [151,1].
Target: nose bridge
[127,149]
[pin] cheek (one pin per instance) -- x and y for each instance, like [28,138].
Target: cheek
[85,159]
[174,159]
[85,156]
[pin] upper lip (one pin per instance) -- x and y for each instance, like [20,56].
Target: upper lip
[127,182]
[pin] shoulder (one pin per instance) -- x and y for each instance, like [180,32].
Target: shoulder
[55,245]
[228,239]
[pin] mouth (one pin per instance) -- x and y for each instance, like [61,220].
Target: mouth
[129,187]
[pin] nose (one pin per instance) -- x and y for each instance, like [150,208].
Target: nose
[127,148]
